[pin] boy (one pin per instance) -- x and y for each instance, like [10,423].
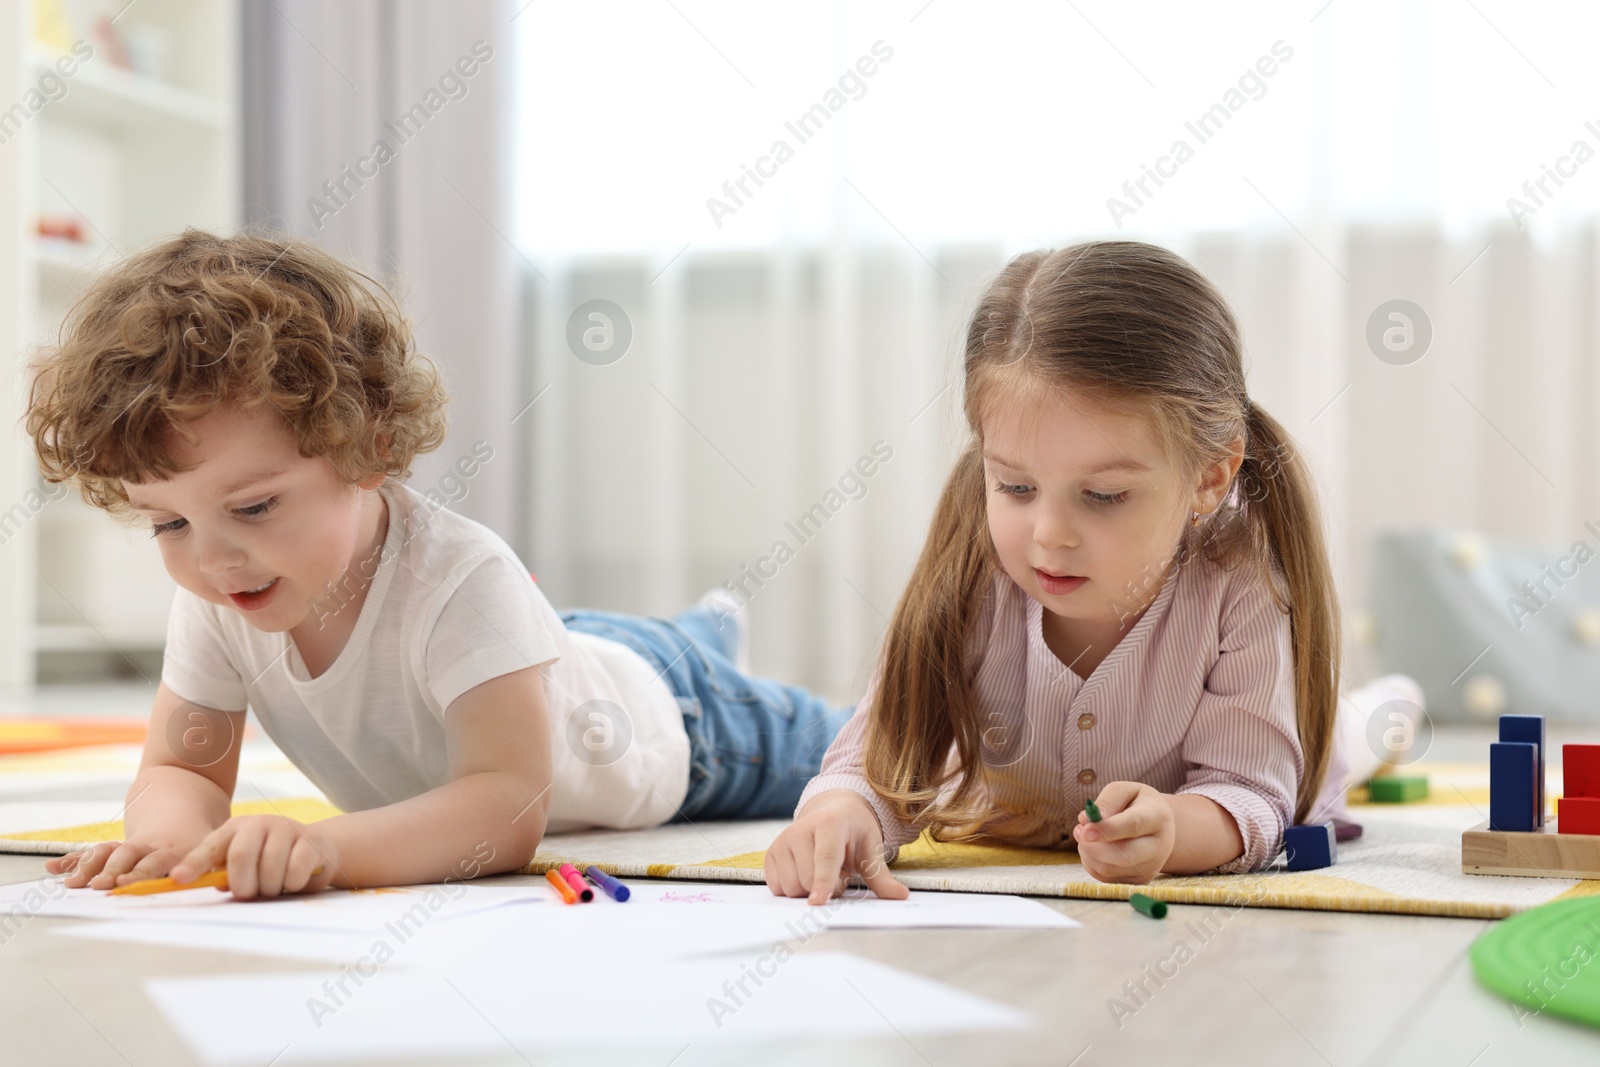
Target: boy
[253,400]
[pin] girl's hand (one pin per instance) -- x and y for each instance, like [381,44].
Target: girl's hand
[107,864]
[836,834]
[266,855]
[1133,838]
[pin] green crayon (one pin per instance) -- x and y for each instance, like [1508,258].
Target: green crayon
[1092,810]
[1156,909]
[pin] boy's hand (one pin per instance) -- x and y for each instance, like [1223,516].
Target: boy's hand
[266,855]
[112,863]
[835,834]
[1132,840]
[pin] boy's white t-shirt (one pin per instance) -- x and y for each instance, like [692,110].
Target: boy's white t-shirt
[450,607]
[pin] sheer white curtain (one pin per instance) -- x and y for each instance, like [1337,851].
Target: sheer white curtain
[382,130]
[779,427]
[757,380]
[1362,154]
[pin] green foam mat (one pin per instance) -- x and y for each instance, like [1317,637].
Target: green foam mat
[1546,959]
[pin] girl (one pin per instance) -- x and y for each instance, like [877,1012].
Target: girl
[1124,597]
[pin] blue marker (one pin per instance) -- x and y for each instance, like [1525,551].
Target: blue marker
[614,889]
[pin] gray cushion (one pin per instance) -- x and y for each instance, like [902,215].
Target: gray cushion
[1440,597]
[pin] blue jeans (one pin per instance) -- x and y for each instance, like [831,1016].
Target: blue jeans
[753,743]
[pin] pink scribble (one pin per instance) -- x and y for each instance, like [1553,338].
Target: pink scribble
[687,898]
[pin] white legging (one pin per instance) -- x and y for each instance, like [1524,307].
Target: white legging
[1355,756]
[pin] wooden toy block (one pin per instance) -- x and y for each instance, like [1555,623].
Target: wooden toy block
[1529,729]
[1541,853]
[1512,789]
[1397,790]
[1580,770]
[1578,815]
[1310,848]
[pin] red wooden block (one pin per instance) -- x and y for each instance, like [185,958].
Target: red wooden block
[1580,770]
[1578,815]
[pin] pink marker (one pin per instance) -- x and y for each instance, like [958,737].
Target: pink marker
[575,880]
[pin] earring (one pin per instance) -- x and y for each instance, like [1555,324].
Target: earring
[1194,518]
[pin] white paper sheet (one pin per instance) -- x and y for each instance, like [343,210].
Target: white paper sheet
[371,909]
[533,1002]
[860,908]
[598,931]
[332,909]
[538,933]
[315,946]
[665,921]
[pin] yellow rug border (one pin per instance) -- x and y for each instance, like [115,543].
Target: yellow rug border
[300,809]
[1264,889]
[929,865]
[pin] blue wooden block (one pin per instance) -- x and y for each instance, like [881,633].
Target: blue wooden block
[1530,730]
[1512,790]
[1310,847]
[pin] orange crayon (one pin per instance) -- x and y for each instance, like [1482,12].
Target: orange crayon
[217,879]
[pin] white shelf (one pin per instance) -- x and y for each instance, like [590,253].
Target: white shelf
[110,98]
[137,159]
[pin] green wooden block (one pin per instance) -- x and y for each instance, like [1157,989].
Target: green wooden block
[1397,790]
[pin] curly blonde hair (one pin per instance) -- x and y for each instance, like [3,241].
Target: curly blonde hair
[201,321]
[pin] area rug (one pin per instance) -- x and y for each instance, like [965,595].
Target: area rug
[1407,861]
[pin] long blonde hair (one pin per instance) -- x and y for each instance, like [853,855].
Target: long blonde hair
[1135,326]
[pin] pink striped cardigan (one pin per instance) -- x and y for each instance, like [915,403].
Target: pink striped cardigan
[1198,697]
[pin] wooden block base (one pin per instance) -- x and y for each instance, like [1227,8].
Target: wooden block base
[1539,854]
